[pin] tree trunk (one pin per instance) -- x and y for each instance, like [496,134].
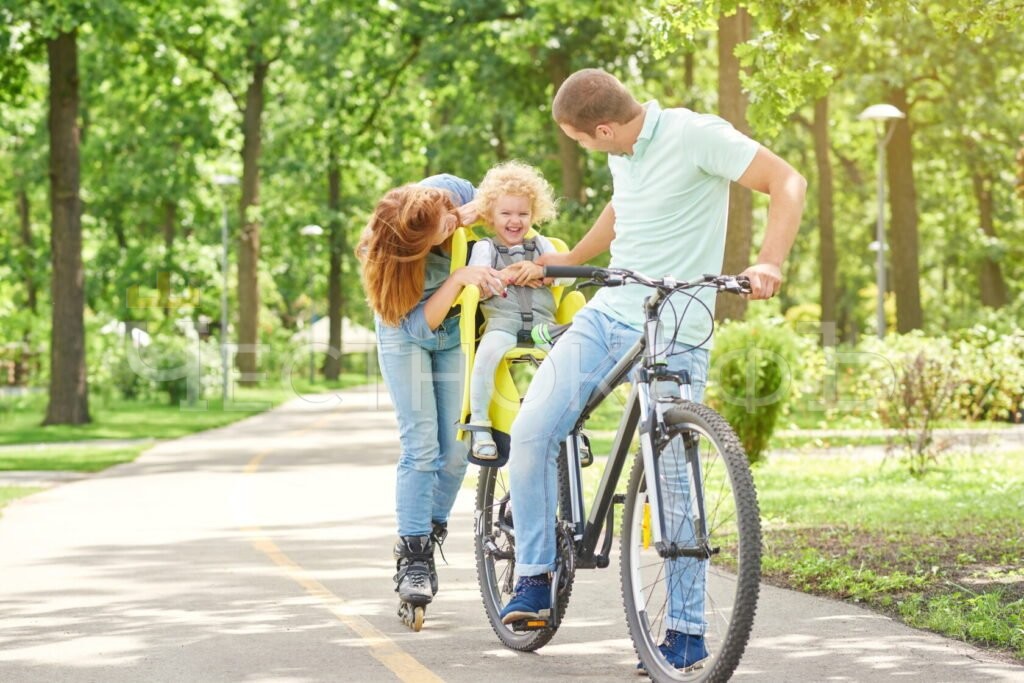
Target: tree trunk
[28,258]
[169,227]
[118,227]
[990,277]
[23,361]
[249,240]
[826,225]
[339,249]
[69,389]
[164,279]
[732,106]
[903,260]
[688,71]
[568,151]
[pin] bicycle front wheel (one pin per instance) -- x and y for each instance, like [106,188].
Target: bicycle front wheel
[711,589]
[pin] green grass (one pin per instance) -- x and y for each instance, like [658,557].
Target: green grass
[789,443]
[867,531]
[9,493]
[68,458]
[20,419]
[991,618]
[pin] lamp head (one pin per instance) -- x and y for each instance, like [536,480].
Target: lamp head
[881,112]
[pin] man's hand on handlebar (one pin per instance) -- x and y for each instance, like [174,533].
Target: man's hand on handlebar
[765,280]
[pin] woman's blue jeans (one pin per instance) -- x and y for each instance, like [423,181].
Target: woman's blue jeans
[424,379]
[565,380]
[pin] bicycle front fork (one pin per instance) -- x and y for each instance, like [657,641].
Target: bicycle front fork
[656,396]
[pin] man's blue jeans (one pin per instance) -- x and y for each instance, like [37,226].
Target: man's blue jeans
[553,403]
[424,379]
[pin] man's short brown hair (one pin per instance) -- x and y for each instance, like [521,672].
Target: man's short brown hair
[590,97]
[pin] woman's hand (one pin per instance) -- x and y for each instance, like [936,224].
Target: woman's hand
[468,213]
[487,280]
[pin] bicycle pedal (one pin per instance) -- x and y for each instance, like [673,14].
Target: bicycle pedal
[530,625]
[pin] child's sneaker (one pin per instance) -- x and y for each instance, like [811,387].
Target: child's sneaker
[682,651]
[484,447]
[533,595]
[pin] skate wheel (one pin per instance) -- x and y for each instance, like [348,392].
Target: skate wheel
[417,618]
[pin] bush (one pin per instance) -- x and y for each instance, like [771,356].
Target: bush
[752,369]
[927,375]
[109,370]
[992,363]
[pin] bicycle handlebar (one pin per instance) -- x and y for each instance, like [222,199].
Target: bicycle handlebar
[588,272]
[614,277]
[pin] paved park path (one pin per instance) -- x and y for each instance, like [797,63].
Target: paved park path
[260,552]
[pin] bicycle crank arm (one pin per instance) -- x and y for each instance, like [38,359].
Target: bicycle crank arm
[492,550]
[673,551]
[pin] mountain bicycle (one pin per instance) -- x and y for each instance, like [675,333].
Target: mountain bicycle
[690,519]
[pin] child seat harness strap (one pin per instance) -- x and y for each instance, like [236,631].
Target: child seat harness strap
[503,258]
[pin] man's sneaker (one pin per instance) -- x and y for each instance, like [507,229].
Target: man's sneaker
[533,594]
[682,651]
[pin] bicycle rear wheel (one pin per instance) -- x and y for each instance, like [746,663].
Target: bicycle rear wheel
[716,596]
[494,545]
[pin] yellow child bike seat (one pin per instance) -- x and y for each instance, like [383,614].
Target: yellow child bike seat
[506,399]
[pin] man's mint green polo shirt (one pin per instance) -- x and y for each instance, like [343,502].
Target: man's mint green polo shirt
[671,200]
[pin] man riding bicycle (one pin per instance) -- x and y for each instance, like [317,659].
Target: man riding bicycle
[671,171]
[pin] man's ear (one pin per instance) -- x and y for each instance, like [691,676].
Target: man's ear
[603,130]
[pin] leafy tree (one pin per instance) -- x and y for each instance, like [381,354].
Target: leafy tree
[150,128]
[237,45]
[55,29]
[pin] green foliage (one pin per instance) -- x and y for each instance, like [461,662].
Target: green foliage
[752,368]
[68,459]
[811,571]
[995,619]
[977,376]
[862,528]
[9,493]
[917,394]
[120,419]
[991,366]
[386,93]
[13,66]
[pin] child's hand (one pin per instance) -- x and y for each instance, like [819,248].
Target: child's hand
[523,273]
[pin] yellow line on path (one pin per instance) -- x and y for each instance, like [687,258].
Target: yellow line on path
[382,648]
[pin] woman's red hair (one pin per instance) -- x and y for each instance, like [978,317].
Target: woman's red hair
[394,247]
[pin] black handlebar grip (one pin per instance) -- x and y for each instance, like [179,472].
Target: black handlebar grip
[588,272]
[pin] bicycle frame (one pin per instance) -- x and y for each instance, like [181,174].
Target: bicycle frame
[644,412]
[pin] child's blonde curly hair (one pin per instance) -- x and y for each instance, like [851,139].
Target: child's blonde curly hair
[521,180]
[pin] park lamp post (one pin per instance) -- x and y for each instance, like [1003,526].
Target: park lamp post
[881,114]
[311,231]
[224,182]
